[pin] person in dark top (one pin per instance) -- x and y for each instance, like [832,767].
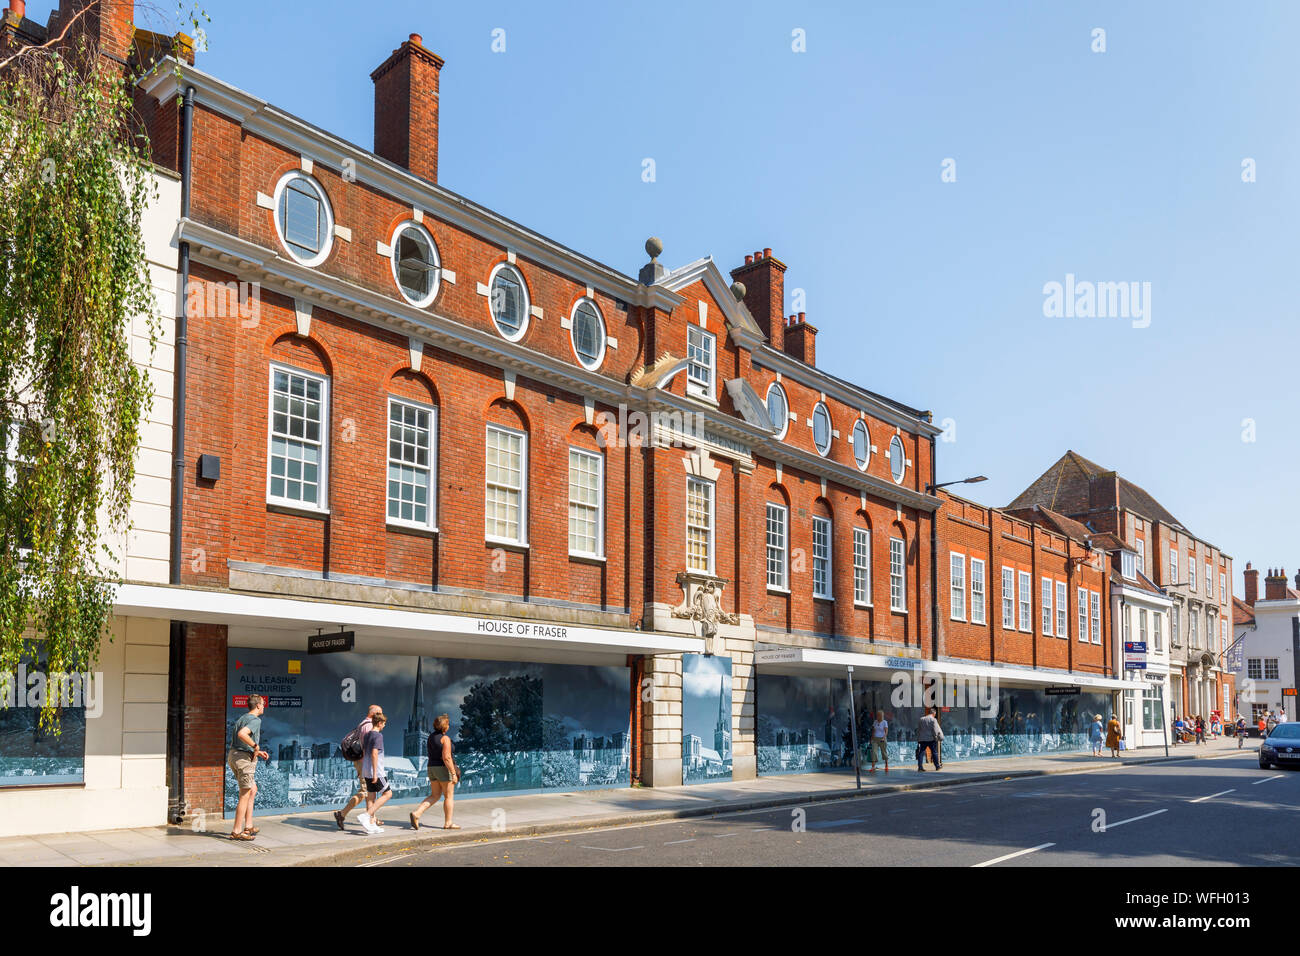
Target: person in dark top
[443,774]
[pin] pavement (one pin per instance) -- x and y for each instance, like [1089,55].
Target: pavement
[299,839]
[1191,813]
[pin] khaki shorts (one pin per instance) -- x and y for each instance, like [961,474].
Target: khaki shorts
[361,781]
[243,765]
[879,749]
[439,773]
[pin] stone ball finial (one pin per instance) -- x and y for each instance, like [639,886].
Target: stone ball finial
[738,290]
[653,246]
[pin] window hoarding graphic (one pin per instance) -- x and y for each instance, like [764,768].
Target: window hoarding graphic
[516,727]
[707,724]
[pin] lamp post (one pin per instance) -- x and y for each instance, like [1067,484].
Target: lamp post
[934,560]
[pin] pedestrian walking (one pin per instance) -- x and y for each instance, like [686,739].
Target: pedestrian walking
[1113,735]
[1241,730]
[1262,726]
[443,774]
[378,790]
[353,748]
[1094,735]
[1281,715]
[1200,730]
[245,749]
[880,741]
[928,735]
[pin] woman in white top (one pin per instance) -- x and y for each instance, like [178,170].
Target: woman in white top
[880,741]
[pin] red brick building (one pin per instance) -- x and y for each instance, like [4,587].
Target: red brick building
[403,416]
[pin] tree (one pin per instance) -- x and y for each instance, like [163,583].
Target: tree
[501,719]
[74,183]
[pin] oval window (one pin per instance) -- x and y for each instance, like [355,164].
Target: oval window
[508,300]
[822,429]
[861,444]
[897,459]
[415,264]
[588,333]
[303,219]
[778,410]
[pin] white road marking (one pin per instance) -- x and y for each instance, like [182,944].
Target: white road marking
[387,859]
[1012,856]
[1213,795]
[675,842]
[1120,823]
[1267,779]
[719,836]
[612,849]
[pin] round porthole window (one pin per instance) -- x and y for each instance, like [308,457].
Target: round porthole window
[822,428]
[861,444]
[897,459]
[508,300]
[588,333]
[416,267]
[303,219]
[778,409]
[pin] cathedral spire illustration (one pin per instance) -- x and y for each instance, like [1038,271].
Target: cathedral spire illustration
[417,727]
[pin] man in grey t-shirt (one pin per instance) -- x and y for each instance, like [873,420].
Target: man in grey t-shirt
[378,790]
[928,735]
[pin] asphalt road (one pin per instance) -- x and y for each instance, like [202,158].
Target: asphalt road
[1221,812]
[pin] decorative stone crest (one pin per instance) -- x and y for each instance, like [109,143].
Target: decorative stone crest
[702,601]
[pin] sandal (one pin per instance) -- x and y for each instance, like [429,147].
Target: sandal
[415,822]
[252,831]
[450,826]
[242,836]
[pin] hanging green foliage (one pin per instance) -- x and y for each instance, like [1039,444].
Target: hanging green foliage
[74,184]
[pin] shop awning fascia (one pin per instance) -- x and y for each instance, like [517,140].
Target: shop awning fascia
[202,606]
[817,662]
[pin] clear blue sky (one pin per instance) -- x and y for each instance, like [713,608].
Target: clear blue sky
[1115,166]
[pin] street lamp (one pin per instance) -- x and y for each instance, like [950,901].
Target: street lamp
[931,489]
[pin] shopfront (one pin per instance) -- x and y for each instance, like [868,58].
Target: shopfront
[804,718]
[534,706]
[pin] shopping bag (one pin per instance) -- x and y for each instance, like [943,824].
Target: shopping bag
[1123,744]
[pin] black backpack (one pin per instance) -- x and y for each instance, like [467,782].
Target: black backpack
[353,746]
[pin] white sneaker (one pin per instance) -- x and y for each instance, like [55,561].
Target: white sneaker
[364,819]
[375,829]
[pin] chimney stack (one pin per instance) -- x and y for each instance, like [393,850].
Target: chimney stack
[406,108]
[801,339]
[763,276]
[109,24]
[1252,584]
[1275,585]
